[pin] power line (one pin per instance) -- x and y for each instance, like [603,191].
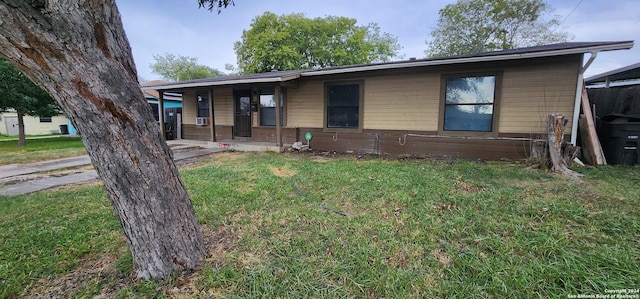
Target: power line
[574,9]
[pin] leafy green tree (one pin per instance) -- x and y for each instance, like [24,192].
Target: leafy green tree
[19,93]
[181,68]
[472,26]
[290,42]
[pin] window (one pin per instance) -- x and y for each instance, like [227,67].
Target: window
[343,106]
[469,103]
[155,108]
[45,119]
[268,107]
[203,105]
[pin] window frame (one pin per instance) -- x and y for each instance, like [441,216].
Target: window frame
[497,95]
[205,99]
[359,129]
[46,119]
[283,103]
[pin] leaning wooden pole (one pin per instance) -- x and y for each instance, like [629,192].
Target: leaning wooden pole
[592,136]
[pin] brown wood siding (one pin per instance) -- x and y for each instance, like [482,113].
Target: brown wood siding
[193,132]
[532,91]
[268,134]
[305,104]
[425,145]
[224,132]
[410,100]
[189,109]
[402,102]
[223,105]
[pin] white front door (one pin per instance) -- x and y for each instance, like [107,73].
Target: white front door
[12,125]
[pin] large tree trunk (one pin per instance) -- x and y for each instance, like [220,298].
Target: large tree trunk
[79,53]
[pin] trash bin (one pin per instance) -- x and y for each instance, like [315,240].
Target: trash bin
[619,136]
[64,129]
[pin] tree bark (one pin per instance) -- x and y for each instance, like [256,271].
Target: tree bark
[557,148]
[78,52]
[22,139]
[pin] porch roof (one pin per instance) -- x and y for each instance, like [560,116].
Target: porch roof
[569,48]
[270,77]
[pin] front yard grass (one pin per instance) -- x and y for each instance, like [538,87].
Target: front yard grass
[413,229]
[40,149]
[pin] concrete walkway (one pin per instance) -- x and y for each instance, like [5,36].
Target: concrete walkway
[81,176]
[11,170]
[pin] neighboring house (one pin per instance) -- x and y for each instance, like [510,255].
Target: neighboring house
[616,92]
[624,76]
[486,105]
[32,125]
[171,101]
[615,96]
[152,96]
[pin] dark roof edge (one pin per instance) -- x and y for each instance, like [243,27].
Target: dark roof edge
[603,76]
[521,53]
[481,57]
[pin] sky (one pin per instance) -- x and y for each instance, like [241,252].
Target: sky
[179,27]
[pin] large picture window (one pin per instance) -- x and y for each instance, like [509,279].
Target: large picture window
[343,106]
[469,103]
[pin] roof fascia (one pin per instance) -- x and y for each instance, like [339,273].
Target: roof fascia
[580,50]
[411,64]
[215,83]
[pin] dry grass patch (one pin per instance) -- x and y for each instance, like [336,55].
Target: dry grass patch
[283,171]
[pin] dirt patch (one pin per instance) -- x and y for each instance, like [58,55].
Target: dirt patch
[283,172]
[320,159]
[443,259]
[217,241]
[104,273]
[70,285]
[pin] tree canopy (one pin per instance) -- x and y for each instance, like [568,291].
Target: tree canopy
[215,4]
[19,93]
[181,68]
[472,26]
[293,41]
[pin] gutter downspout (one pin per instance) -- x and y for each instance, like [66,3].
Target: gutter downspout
[576,106]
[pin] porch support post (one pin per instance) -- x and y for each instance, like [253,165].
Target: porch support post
[213,120]
[277,95]
[161,112]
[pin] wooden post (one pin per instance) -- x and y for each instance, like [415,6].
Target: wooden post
[277,95]
[592,135]
[211,114]
[161,112]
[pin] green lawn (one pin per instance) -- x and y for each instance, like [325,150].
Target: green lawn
[413,229]
[40,149]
